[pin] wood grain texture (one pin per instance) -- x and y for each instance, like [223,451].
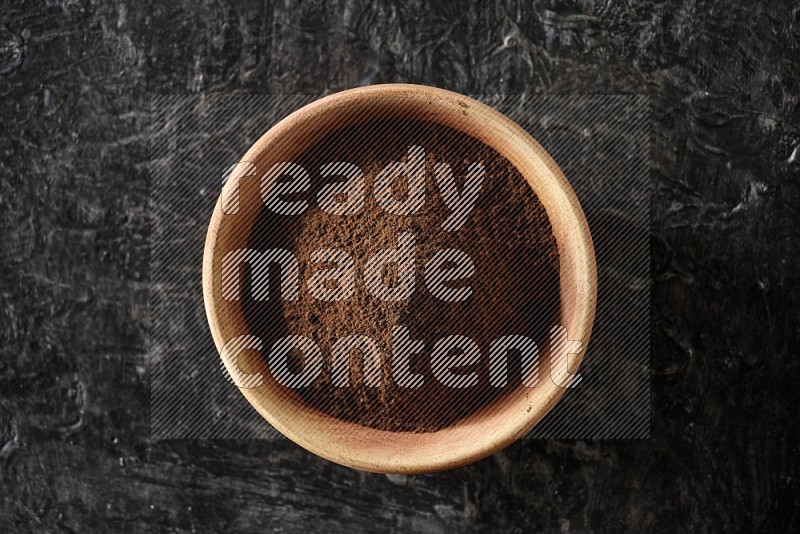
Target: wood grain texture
[75,83]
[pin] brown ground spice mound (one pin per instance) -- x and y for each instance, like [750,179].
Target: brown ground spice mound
[514,289]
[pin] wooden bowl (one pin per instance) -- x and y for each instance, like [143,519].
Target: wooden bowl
[490,428]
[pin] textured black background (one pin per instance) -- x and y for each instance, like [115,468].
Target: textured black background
[75,84]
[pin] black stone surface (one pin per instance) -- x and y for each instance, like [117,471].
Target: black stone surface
[75,82]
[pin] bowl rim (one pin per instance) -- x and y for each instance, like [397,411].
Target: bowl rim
[577,267]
